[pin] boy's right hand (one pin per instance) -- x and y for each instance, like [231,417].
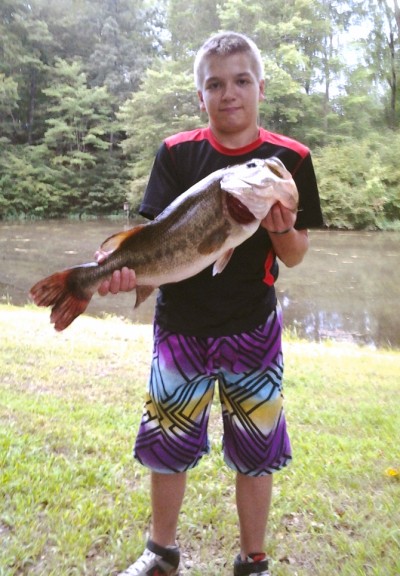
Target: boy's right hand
[123,280]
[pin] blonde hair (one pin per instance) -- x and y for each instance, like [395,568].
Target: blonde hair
[226,44]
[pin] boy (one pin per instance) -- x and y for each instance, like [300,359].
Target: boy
[225,328]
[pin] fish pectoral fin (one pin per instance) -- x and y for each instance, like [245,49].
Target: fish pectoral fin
[142,293]
[214,240]
[113,242]
[222,262]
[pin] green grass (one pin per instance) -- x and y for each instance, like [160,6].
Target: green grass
[73,501]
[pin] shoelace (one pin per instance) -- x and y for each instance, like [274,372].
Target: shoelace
[140,564]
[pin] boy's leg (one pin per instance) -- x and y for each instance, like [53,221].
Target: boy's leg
[256,443]
[167,492]
[253,499]
[161,555]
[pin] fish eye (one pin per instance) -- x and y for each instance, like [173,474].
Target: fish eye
[251,165]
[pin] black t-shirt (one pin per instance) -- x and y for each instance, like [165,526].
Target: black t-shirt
[241,297]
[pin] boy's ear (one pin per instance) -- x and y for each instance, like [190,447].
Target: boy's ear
[261,94]
[201,101]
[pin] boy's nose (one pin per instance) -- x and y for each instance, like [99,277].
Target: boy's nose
[229,92]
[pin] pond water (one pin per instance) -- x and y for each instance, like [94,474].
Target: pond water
[347,288]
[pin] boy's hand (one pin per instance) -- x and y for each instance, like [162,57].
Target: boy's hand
[279,219]
[121,281]
[290,245]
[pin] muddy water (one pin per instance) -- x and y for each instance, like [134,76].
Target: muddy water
[346,289]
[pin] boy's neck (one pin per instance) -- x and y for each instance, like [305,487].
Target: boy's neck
[236,139]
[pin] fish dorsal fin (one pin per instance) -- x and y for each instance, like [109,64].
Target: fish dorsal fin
[142,293]
[215,239]
[222,262]
[115,241]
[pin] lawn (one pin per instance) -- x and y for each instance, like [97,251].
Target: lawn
[73,501]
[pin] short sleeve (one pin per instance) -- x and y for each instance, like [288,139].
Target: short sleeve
[163,186]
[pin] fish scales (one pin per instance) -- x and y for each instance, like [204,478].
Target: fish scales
[176,237]
[170,241]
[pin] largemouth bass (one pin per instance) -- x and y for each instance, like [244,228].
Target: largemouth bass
[201,227]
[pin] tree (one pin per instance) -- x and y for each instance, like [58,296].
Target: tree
[68,66]
[29,184]
[299,41]
[78,136]
[382,50]
[8,105]
[25,46]
[126,42]
[189,23]
[166,103]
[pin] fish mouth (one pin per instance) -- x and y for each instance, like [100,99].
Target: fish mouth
[271,166]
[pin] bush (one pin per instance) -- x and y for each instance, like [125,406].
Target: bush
[360,182]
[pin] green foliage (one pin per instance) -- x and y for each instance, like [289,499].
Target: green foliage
[126,39]
[60,138]
[80,116]
[8,103]
[88,90]
[166,103]
[360,182]
[28,184]
[189,23]
[284,104]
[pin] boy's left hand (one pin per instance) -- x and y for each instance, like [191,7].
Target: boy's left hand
[279,219]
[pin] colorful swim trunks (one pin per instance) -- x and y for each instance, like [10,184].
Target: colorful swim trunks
[248,368]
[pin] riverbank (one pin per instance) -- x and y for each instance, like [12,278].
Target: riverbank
[332,295]
[73,501]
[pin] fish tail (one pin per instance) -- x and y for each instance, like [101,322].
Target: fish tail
[56,291]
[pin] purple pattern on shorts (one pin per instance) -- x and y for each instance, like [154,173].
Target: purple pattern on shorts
[249,368]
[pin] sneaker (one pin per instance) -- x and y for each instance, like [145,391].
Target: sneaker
[254,565]
[155,561]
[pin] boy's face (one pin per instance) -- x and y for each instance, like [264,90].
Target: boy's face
[230,93]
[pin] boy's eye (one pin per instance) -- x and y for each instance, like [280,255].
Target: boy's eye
[243,81]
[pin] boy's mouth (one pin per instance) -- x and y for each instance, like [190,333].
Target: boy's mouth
[231,109]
